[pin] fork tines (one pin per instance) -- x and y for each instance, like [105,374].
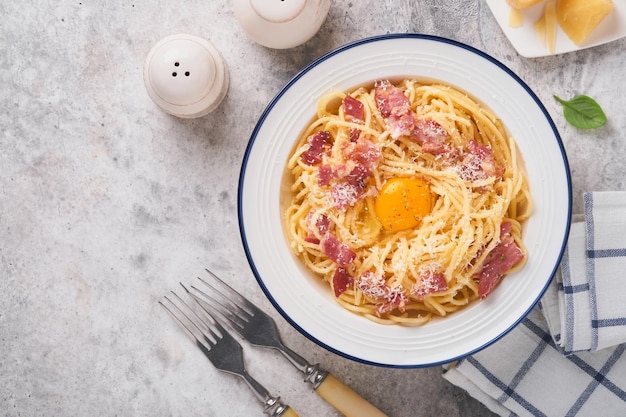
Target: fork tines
[224,300]
[219,346]
[200,326]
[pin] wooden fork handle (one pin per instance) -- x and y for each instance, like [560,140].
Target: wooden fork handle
[288,412]
[344,399]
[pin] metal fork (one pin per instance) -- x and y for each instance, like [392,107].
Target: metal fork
[259,329]
[219,346]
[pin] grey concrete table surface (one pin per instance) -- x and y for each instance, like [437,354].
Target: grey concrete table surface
[106,202]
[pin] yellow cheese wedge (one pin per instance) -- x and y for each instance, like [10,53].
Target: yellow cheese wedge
[550,16]
[578,18]
[516,18]
[540,29]
[522,4]
[545,26]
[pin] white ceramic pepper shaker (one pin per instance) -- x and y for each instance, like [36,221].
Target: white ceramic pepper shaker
[185,75]
[281,24]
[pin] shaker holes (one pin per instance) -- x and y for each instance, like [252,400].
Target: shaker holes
[175,74]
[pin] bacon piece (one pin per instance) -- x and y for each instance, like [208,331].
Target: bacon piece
[351,188]
[348,181]
[354,109]
[342,280]
[322,225]
[401,125]
[374,286]
[337,251]
[431,136]
[358,176]
[395,299]
[325,174]
[354,134]
[499,261]
[363,151]
[311,238]
[389,98]
[479,163]
[318,144]
[343,195]
[395,107]
[428,283]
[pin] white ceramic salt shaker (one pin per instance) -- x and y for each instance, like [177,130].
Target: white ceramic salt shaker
[185,75]
[281,24]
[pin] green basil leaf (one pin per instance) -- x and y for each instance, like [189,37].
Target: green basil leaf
[583,112]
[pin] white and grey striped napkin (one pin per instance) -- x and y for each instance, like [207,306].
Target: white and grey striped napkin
[567,357]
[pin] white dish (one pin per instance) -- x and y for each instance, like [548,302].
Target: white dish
[526,41]
[308,303]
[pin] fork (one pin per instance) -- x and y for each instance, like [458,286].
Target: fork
[219,346]
[259,329]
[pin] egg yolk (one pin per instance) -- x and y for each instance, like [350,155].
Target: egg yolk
[403,203]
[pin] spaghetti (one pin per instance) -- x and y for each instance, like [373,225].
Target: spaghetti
[408,199]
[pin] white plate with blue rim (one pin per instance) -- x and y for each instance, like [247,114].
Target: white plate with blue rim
[308,303]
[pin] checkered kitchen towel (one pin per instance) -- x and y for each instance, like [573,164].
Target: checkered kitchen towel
[526,374]
[585,306]
[567,357]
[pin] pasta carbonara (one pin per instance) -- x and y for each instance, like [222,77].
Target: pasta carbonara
[408,198]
